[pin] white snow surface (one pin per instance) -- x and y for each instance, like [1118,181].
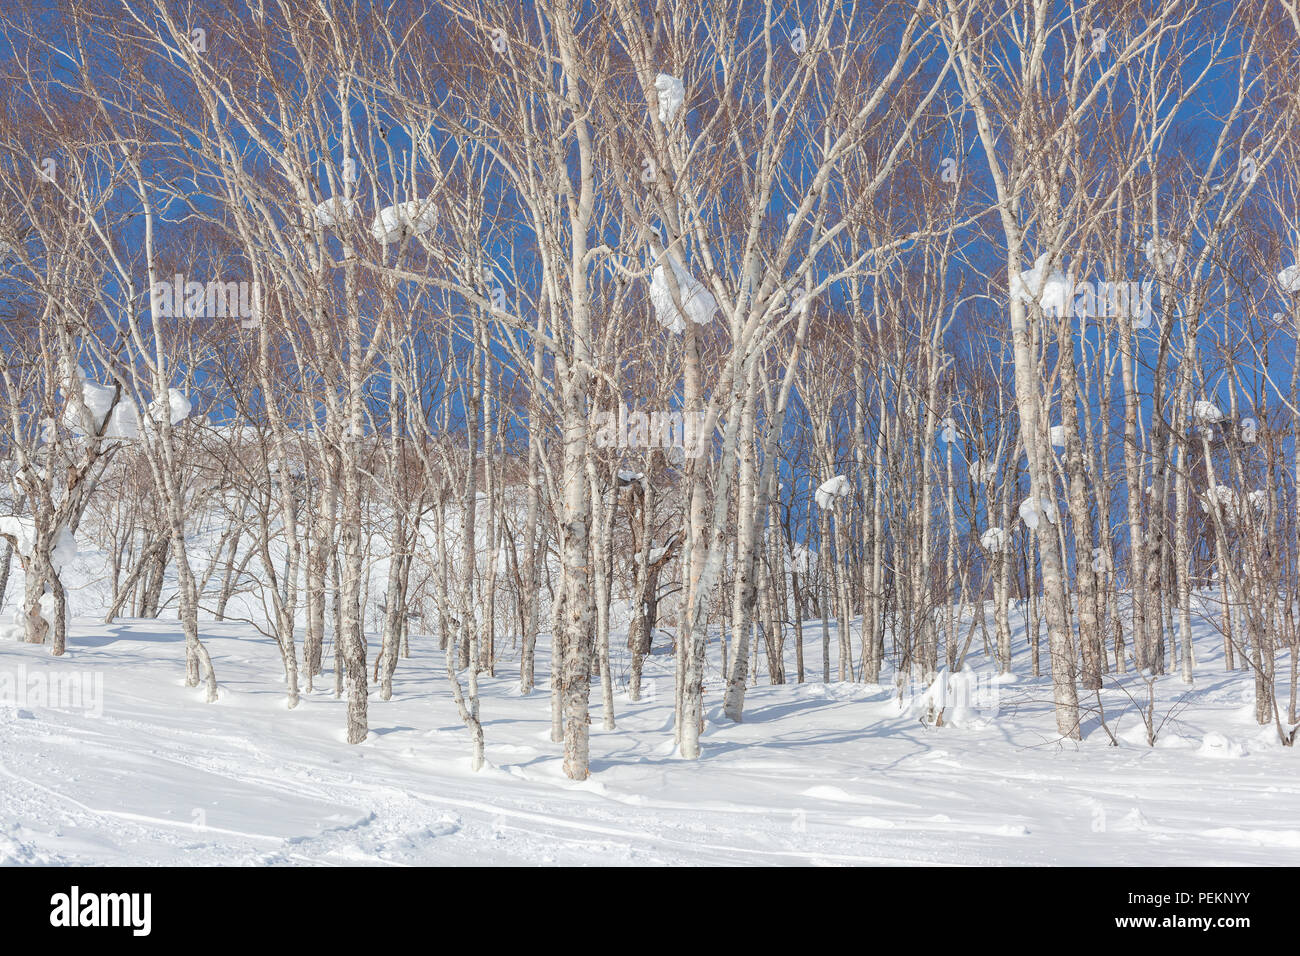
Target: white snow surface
[827,774]
[655,555]
[818,773]
[64,551]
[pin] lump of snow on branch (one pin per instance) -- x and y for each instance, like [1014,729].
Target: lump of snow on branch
[177,404]
[830,490]
[46,606]
[413,217]
[333,212]
[1052,291]
[124,423]
[982,472]
[697,302]
[797,560]
[64,551]
[1231,505]
[655,555]
[949,431]
[1161,253]
[1227,499]
[1031,508]
[1289,279]
[672,93]
[1204,411]
[994,539]
[97,398]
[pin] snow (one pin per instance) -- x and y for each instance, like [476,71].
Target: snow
[1030,511]
[1227,498]
[800,301]
[1051,290]
[959,767]
[983,472]
[697,301]
[414,217]
[97,398]
[64,551]
[178,403]
[672,93]
[124,420]
[830,490]
[335,211]
[994,539]
[1219,747]
[23,530]
[1204,411]
[1289,279]
[949,431]
[817,774]
[655,555]
[798,559]
[965,698]
[1161,253]
[124,423]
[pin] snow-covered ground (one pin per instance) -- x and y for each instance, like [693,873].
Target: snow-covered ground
[838,773]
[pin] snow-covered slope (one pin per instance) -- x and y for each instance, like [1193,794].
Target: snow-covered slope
[839,773]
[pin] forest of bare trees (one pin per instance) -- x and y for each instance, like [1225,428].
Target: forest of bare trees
[645,327]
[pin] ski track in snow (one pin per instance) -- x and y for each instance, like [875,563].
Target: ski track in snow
[817,774]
